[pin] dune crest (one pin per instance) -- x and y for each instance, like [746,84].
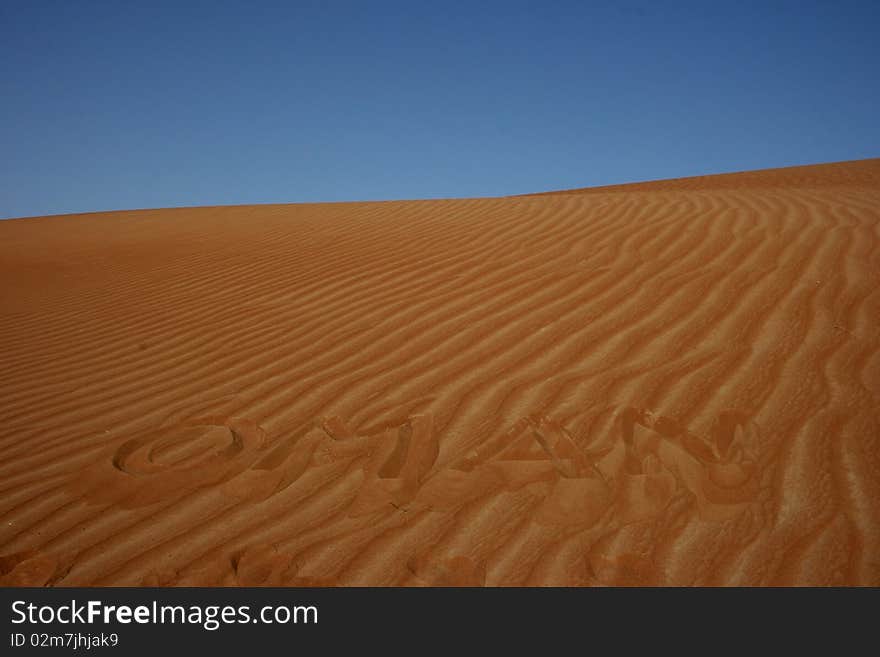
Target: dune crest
[665,383]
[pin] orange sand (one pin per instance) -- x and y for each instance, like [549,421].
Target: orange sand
[667,383]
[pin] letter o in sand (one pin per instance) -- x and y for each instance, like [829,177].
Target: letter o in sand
[172,461]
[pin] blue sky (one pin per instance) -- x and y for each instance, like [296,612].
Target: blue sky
[119,105]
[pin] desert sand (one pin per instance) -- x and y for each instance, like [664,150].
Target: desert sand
[669,383]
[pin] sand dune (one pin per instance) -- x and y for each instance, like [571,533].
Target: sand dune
[668,383]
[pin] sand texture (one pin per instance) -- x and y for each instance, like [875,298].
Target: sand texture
[670,383]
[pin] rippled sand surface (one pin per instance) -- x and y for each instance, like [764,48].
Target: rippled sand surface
[670,383]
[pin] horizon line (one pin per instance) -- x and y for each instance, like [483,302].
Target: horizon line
[569,190]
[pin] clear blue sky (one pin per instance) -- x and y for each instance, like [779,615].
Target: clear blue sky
[117,105]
